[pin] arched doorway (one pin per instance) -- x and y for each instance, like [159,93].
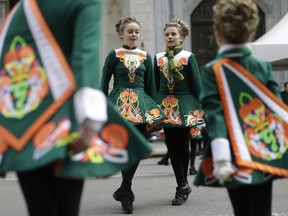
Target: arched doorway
[203,43]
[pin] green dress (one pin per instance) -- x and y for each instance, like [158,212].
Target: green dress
[241,100]
[179,100]
[134,87]
[50,51]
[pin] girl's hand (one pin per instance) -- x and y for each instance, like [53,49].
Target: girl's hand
[83,141]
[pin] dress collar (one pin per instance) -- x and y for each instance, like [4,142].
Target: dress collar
[127,47]
[234,51]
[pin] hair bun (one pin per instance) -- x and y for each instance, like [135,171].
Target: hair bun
[182,27]
[235,19]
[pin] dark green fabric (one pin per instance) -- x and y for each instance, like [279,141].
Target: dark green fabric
[209,96]
[185,92]
[76,27]
[213,108]
[108,162]
[143,84]
[73,25]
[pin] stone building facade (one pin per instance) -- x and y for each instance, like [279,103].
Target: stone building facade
[153,14]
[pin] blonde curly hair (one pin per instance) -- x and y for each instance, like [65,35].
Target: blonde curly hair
[236,20]
[123,22]
[182,27]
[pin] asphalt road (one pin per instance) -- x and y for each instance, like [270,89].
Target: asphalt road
[154,188]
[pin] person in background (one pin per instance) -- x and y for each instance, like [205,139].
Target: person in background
[132,93]
[246,118]
[284,93]
[178,86]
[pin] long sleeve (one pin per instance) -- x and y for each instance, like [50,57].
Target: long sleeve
[149,79]
[195,82]
[107,72]
[212,106]
[90,104]
[85,58]
[156,74]
[271,83]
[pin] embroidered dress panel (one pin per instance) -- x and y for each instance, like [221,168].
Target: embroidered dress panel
[256,128]
[37,111]
[30,88]
[248,115]
[178,99]
[133,87]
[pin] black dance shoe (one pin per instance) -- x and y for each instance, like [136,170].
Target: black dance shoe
[192,171]
[126,199]
[181,195]
[163,162]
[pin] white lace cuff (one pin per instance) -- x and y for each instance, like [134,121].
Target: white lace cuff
[90,107]
[221,149]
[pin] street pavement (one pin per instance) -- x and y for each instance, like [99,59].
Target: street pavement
[154,188]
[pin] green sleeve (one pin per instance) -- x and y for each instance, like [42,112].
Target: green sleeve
[149,79]
[212,106]
[195,82]
[107,71]
[85,58]
[271,83]
[156,75]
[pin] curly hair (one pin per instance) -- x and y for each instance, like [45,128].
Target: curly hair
[182,27]
[235,19]
[123,22]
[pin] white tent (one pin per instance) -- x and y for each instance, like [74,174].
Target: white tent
[273,46]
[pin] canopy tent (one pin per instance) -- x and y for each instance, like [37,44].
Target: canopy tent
[273,46]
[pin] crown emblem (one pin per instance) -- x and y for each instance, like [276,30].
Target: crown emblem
[23,82]
[19,59]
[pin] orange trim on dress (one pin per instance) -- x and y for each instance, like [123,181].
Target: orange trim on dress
[19,143]
[149,127]
[249,164]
